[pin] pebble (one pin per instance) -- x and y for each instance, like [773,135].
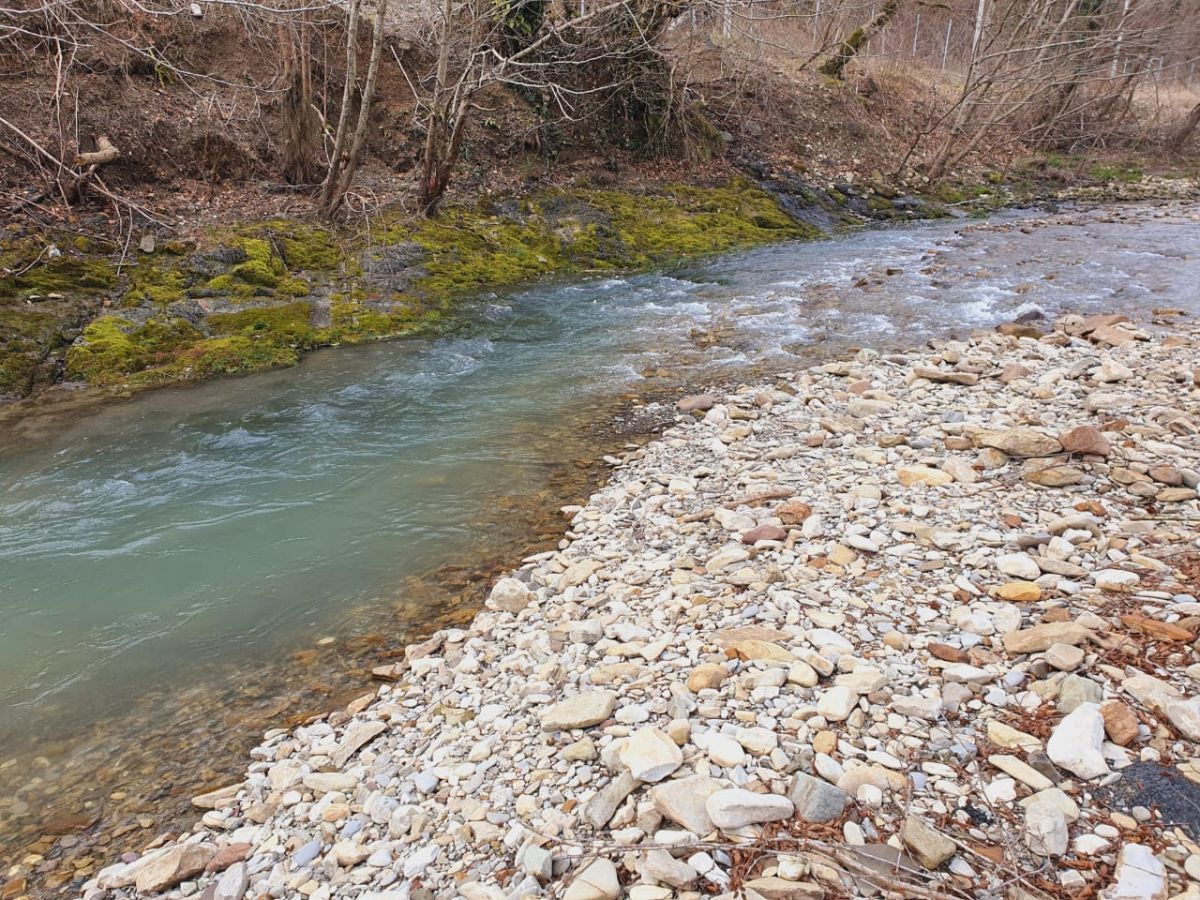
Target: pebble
[810,601]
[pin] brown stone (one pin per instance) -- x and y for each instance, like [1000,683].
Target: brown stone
[764,533]
[1019,330]
[1166,475]
[1054,476]
[1167,631]
[947,653]
[910,475]
[946,376]
[1013,372]
[824,742]
[1112,334]
[1175,495]
[697,403]
[706,675]
[171,865]
[1042,637]
[1087,439]
[1018,592]
[793,512]
[1099,320]
[227,856]
[772,888]
[1120,724]
[1022,442]
[762,650]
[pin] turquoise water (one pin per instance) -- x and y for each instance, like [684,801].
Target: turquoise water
[190,536]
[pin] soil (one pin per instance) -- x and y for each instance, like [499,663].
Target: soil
[202,149]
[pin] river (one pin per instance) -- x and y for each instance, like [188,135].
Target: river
[182,569]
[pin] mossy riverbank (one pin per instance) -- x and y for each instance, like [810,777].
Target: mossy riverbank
[254,296]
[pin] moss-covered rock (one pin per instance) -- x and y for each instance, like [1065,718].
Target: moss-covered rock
[288,325]
[254,296]
[113,347]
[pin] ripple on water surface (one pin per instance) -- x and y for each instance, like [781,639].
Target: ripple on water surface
[174,559]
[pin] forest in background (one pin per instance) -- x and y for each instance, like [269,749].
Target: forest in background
[145,108]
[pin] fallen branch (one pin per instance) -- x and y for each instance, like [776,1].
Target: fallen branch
[105,152]
[91,175]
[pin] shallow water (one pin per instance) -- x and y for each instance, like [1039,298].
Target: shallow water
[169,566]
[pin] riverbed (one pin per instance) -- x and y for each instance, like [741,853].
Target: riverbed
[181,570]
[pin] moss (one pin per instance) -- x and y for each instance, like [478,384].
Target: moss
[306,247]
[26,337]
[492,244]
[288,325]
[690,221]
[949,193]
[466,253]
[1107,174]
[256,272]
[260,267]
[351,320]
[112,347]
[211,357]
[290,286]
[154,284]
[58,275]
[105,353]
[178,247]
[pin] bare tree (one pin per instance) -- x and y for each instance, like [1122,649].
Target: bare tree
[835,66]
[578,64]
[1184,130]
[345,158]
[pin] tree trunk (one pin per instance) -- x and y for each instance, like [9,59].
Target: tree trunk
[339,141]
[835,66]
[350,164]
[1184,130]
[433,175]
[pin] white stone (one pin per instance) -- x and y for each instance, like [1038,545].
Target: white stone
[736,808]
[597,880]
[651,755]
[1077,742]
[1139,876]
[721,749]
[1018,565]
[1046,829]
[837,703]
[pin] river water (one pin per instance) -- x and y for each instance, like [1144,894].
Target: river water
[179,570]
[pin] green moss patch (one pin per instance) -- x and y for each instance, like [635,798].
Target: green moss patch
[419,269]
[113,347]
[62,274]
[236,354]
[287,325]
[158,285]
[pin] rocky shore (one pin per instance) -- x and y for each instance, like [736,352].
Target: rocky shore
[918,625]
